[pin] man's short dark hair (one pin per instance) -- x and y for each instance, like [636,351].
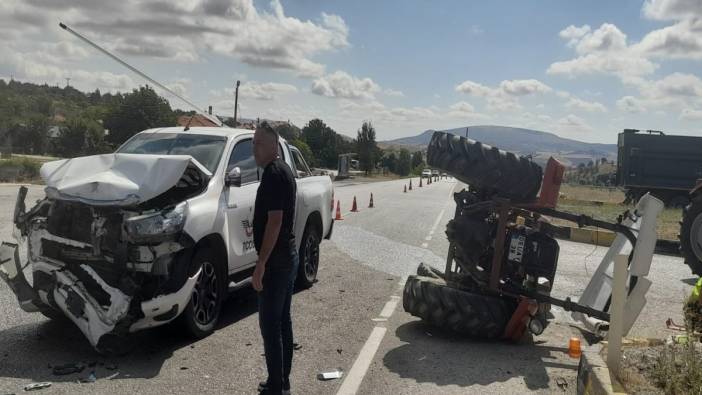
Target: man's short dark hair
[268,129]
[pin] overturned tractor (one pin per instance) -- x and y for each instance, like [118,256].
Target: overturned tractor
[503,254]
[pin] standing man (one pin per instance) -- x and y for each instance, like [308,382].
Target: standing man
[275,272]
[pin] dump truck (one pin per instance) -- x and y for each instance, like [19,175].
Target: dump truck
[667,166]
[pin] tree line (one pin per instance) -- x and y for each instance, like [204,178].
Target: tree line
[63,121]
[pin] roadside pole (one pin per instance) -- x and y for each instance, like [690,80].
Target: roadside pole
[616,313]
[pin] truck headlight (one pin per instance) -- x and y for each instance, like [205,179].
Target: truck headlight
[164,223]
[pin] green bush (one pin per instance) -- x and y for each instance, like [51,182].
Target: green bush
[18,169]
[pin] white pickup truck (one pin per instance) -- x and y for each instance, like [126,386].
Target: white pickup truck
[159,230]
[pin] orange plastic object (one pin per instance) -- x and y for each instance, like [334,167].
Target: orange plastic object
[338,211]
[551,186]
[574,348]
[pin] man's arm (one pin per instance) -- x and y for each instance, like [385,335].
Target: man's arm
[270,236]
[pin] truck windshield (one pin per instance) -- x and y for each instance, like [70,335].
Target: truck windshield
[205,149]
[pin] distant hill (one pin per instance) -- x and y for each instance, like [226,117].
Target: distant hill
[541,145]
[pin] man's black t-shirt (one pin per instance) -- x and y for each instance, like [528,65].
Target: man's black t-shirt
[277,191]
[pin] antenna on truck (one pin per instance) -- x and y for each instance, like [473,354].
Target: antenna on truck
[142,75]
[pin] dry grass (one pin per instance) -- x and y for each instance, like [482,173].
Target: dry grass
[678,369]
[605,204]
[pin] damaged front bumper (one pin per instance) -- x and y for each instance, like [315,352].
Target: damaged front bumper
[104,283]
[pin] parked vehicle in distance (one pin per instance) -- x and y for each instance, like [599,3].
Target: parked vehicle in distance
[426,173]
[665,165]
[158,231]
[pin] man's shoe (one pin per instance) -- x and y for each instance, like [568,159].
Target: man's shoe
[263,388]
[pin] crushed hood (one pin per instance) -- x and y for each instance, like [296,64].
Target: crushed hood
[121,179]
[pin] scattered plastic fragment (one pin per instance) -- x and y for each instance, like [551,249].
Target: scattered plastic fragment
[90,379]
[37,386]
[331,375]
[296,346]
[112,376]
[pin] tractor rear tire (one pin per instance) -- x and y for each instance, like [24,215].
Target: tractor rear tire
[467,313]
[485,167]
[690,229]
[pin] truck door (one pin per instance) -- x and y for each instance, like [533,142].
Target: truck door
[240,203]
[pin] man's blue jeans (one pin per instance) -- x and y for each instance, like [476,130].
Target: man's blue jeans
[275,322]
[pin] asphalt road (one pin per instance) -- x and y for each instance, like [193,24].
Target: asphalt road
[349,312]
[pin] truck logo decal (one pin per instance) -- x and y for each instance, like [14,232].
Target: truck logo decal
[248,228]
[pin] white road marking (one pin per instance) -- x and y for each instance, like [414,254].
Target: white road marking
[354,378]
[360,366]
[389,307]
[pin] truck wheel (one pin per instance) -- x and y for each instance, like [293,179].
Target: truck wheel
[309,258]
[202,311]
[691,235]
[459,311]
[484,166]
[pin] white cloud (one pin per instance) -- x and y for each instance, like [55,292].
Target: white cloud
[572,124]
[264,91]
[343,85]
[573,33]
[474,89]
[393,92]
[583,105]
[676,84]
[630,104]
[463,107]
[523,87]
[607,38]
[689,114]
[476,30]
[185,30]
[682,40]
[672,9]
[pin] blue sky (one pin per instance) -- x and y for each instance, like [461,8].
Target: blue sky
[582,70]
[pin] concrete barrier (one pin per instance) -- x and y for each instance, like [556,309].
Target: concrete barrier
[594,377]
[605,238]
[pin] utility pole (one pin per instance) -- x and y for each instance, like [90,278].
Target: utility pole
[68,80]
[236,100]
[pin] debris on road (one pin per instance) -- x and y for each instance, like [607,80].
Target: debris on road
[37,386]
[561,383]
[339,350]
[90,379]
[296,346]
[70,368]
[112,376]
[331,375]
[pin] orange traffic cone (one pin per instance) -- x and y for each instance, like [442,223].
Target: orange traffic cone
[354,208]
[574,347]
[370,205]
[410,188]
[420,182]
[338,211]
[405,188]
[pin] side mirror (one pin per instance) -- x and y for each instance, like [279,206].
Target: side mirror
[233,178]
